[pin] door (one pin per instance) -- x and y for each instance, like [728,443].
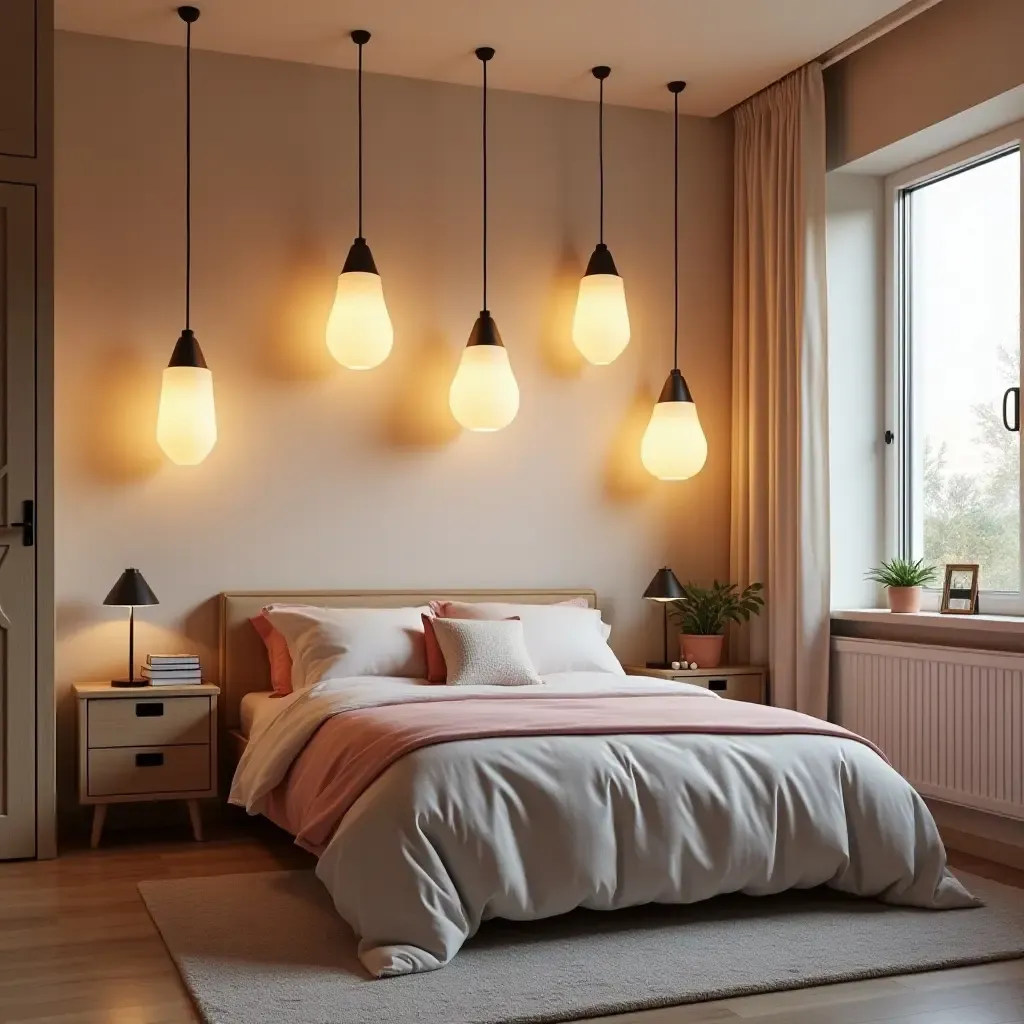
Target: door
[17,496]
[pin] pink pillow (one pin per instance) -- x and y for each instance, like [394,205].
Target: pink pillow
[437,670]
[277,652]
[484,610]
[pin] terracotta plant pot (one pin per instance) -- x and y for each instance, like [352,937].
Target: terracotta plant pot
[906,600]
[706,651]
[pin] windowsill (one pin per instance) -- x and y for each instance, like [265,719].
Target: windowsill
[935,620]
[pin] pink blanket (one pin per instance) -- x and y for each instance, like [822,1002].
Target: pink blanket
[353,748]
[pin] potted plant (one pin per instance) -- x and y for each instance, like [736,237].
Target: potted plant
[702,614]
[903,581]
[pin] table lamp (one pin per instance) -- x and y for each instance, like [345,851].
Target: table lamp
[128,592]
[663,588]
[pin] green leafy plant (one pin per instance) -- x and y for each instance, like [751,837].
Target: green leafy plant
[901,572]
[705,611]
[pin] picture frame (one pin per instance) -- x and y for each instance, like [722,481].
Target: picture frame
[960,589]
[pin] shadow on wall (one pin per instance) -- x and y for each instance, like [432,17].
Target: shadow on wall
[122,393]
[295,347]
[625,479]
[561,356]
[419,416]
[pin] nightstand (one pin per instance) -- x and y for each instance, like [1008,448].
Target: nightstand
[146,743]
[737,682]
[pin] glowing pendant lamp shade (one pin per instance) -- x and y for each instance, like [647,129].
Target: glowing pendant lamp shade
[674,446]
[484,395]
[359,331]
[186,424]
[600,326]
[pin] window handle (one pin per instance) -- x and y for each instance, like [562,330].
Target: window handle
[889,437]
[27,524]
[1015,426]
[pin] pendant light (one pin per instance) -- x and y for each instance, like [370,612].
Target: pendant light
[186,424]
[600,327]
[484,394]
[674,446]
[359,331]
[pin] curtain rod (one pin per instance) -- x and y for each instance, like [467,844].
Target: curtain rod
[880,28]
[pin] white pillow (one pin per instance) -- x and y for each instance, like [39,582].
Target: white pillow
[485,653]
[336,643]
[559,638]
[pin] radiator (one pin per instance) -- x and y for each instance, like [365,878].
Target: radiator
[950,721]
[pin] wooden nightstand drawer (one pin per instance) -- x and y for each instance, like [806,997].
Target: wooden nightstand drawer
[124,771]
[148,721]
[747,687]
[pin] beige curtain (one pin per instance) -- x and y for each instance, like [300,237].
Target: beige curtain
[780,531]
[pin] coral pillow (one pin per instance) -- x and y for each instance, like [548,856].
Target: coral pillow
[277,653]
[437,670]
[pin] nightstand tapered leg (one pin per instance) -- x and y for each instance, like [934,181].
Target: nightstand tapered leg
[197,821]
[99,816]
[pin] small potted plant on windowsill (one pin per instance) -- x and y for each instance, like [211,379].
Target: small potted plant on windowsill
[903,580]
[702,614]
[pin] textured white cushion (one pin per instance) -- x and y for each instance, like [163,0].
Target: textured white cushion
[336,643]
[481,652]
[559,638]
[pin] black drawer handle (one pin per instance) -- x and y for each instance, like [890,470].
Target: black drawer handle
[149,760]
[149,710]
[718,684]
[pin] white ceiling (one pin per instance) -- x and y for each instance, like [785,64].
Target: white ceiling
[725,49]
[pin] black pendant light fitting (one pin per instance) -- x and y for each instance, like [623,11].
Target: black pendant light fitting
[485,330]
[359,259]
[187,351]
[601,261]
[675,389]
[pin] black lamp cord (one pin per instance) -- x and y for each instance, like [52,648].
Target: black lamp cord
[188,174]
[600,157]
[484,62]
[359,129]
[675,239]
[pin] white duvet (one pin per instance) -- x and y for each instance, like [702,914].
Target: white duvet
[530,827]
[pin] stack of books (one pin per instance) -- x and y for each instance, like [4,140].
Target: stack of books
[172,669]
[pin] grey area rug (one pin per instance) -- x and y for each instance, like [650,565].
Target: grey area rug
[266,948]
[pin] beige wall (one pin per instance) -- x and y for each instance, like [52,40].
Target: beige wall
[328,478]
[952,57]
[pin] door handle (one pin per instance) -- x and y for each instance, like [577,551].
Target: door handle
[1015,426]
[27,524]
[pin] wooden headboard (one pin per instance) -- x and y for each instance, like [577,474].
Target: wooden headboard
[243,658]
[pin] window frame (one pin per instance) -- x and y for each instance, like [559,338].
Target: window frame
[899,379]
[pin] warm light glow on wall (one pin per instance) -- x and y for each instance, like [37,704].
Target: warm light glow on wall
[600,327]
[186,424]
[359,331]
[484,395]
[674,446]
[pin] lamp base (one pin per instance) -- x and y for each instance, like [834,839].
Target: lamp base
[658,664]
[124,684]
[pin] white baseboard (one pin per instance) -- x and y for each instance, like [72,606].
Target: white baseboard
[980,834]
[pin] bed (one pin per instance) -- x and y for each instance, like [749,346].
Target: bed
[433,810]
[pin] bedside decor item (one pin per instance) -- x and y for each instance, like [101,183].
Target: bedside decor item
[130,591]
[359,331]
[600,326]
[960,590]
[172,669]
[703,613]
[674,446]
[903,580]
[664,589]
[186,424]
[484,395]
[135,746]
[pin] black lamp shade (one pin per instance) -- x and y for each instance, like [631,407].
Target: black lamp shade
[664,586]
[131,589]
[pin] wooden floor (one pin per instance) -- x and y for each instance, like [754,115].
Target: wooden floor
[77,947]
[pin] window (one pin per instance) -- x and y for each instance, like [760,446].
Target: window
[954,350]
